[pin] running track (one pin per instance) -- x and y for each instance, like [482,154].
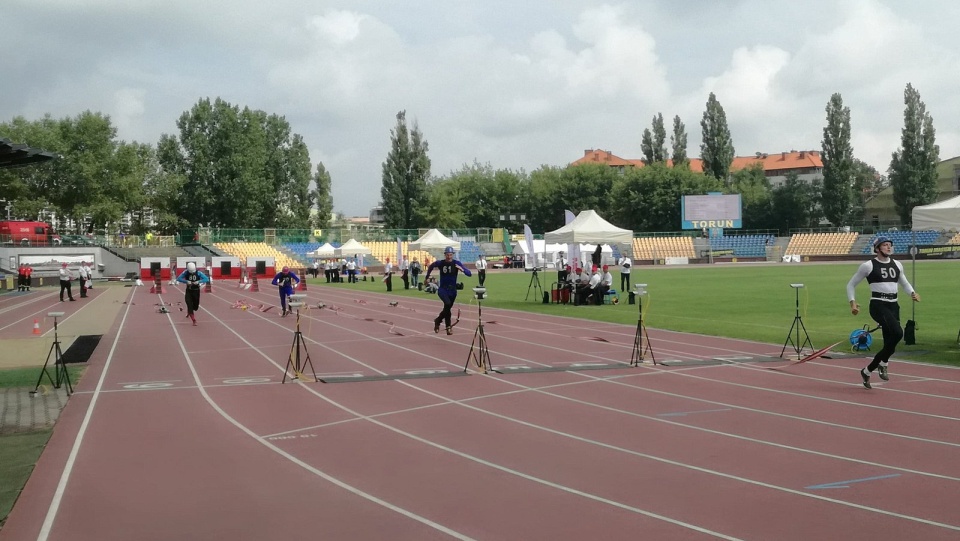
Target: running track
[182,432]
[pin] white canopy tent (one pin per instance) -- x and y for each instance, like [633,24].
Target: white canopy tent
[432,241]
[352,247]
[589,227]
[327,250]
[943,215]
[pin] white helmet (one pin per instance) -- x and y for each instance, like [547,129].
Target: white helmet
[192,267]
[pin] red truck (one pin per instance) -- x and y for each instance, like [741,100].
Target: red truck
[27,234]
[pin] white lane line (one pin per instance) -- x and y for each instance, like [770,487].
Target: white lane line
[72,458]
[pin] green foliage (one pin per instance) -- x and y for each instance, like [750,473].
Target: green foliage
[653,143]
[323,197]
[795,204]
[716,149]
[913,169]
[678,144]
[756,197]
[405,174]
[838,169]
[648,199]
[239,168]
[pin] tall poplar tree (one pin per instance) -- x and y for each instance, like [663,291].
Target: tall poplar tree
[653,143]
[323,197]
[913,169]
[838,169]
[678,144]
[716,148]
[405,174]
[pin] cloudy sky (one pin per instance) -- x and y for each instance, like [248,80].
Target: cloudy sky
[515,84]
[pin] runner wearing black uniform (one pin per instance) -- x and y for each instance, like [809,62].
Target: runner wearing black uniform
[884,274]
[191,296]
[448,269]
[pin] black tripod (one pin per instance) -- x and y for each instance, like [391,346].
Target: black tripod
[61,376]
[640,349]
[295,361]
[798,327]
[535,284]
[479,352]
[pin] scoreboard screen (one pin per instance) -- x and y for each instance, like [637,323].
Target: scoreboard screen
[711,211]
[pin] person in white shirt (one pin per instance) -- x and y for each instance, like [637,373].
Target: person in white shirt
[593,287]
[481,265]
[625,265]
[83,274]
[388,274]
[606,282]
[352,271]
[405,272]
[561,268]
[65,277]
[885,276]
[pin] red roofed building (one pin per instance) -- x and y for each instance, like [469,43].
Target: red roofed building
[805,163]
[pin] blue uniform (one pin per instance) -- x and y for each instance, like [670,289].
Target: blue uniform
[448,288]
[286,281]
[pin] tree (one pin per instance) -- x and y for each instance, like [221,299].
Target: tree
[323,197]
[659,139]
[652,143]
[838,170]
[867,182]
[913,169]
[795,203]
[405,174]
[755,196]
[678,144]
[716,149]
[648,199]
[240,168]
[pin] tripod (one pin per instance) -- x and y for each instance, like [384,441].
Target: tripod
[61,376]
[479,352]
[294,360]
[535,284]
[798,327]
[640,349]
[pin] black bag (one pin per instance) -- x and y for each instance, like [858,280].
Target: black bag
[910,333]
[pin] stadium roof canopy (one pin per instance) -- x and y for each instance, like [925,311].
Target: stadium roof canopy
[18,155]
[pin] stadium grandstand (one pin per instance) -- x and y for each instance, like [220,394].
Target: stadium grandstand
[837,243]
[661,247]
[243,250]
[903,239]
[743,245]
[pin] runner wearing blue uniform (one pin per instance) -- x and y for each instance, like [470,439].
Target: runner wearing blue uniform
[448,269]
[286,279]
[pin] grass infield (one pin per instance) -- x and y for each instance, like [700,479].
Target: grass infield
[743,300]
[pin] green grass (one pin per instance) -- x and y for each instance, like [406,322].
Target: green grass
[18,455]
[748,301]
[27,377]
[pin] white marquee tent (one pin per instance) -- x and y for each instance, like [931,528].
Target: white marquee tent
[352,247]
[940,215]
[327,250]
[433,240]
[589,227]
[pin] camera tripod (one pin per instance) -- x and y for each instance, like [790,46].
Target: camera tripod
[638,355]
[61,376]
[294,360]
[798,327]
[535,285]
[479,352]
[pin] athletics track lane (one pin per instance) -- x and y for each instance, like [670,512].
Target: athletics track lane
[498,437]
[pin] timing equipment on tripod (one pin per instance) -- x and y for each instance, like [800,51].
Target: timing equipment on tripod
[295,362]
[61,376]
[640,348]
[534,285]
[797,328]
[479,352]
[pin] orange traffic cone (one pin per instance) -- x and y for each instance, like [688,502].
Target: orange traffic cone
[36,326]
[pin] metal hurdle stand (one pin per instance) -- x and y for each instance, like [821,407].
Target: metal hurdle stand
[797,326]
[640,348]
[295,361]
[61,376]
[479,352]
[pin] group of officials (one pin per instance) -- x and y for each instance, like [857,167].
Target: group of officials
[83,275]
